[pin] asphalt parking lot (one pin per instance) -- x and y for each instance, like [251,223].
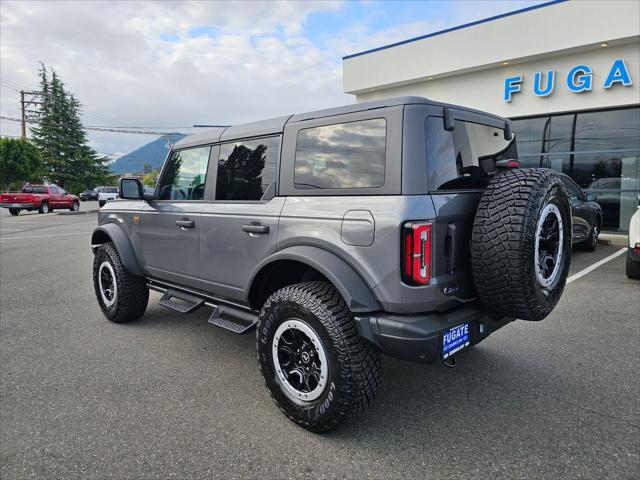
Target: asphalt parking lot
[174,397]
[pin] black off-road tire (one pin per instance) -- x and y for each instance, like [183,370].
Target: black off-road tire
[504,240]
[132,292]
[354,365]
[14,212]
[633,266]
[44,208]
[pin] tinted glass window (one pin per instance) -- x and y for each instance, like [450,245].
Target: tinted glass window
[247,169]
[557,137]
[54,190]
[611,130]
[530,132]
[460,159]
[185,174]
[344,155]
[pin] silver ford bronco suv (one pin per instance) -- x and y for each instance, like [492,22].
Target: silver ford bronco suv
[401,226]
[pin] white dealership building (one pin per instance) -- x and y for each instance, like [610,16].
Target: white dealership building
[566,72]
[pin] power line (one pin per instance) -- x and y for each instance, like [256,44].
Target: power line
[104,129]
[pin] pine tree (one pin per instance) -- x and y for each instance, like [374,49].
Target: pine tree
[68,159]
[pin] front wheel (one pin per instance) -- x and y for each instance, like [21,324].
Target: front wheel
[44,207]
[14,211]
[121,295]
[75,206]
[317,368]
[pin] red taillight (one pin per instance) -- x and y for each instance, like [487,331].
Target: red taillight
[416,258]
[636,249]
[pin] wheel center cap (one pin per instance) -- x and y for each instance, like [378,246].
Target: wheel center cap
[306,357]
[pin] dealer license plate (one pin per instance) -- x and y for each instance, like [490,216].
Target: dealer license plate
[455,339]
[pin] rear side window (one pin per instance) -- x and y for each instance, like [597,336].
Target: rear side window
[460,159]
[344,155]
[247,169]
[185,175]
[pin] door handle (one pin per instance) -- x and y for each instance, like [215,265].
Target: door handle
[185,223]
[255,228]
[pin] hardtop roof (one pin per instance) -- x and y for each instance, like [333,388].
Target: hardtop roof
[276,125]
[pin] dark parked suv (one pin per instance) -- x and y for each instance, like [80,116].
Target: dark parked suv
[401,226]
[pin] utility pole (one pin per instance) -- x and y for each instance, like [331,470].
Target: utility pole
[23,123]
[28,115]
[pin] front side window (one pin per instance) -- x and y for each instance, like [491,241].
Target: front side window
[247,169]
[344,155]
[185,175]
[461,159]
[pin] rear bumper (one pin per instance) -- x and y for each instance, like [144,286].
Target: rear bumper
[418,337]
[17,205]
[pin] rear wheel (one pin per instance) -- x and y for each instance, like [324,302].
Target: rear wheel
[317,368]
[75,206]
[521,243]
[44,207]
[121,295]
[633,266]
[14,211]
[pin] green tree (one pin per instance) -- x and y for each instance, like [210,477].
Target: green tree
[151,177]
[68,160]
[20,162]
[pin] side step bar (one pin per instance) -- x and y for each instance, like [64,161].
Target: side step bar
[185,303]
[233,319]
[230,318]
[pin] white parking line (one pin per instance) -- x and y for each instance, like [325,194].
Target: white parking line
[43,236]
[591,268]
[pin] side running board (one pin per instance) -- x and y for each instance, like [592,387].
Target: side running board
[230,318]
[180,301]
[233,319]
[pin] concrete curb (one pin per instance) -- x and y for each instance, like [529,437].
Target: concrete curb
[79,212]
[613,239]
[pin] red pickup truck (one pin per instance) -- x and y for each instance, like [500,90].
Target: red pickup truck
[44,198]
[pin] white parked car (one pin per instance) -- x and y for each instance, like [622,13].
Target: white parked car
[105,194]
[633,251]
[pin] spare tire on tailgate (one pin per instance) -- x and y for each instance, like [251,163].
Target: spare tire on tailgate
[521,243]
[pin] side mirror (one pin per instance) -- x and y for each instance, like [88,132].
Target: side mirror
[591,197]
[131,189]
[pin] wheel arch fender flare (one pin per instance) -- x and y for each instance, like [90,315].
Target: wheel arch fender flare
[113,233]
[352,287]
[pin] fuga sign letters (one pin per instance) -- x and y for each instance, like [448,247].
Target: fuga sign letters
[579,79]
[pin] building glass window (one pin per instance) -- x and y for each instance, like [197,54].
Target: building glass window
[344,155]
[247,169]
[609,130]
[599,150]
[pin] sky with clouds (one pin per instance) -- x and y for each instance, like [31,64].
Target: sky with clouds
[176,64]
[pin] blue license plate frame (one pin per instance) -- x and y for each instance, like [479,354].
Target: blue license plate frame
[455,339]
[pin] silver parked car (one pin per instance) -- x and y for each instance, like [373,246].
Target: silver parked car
[401,226]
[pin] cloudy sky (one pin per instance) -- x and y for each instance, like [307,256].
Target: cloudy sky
[176,64]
